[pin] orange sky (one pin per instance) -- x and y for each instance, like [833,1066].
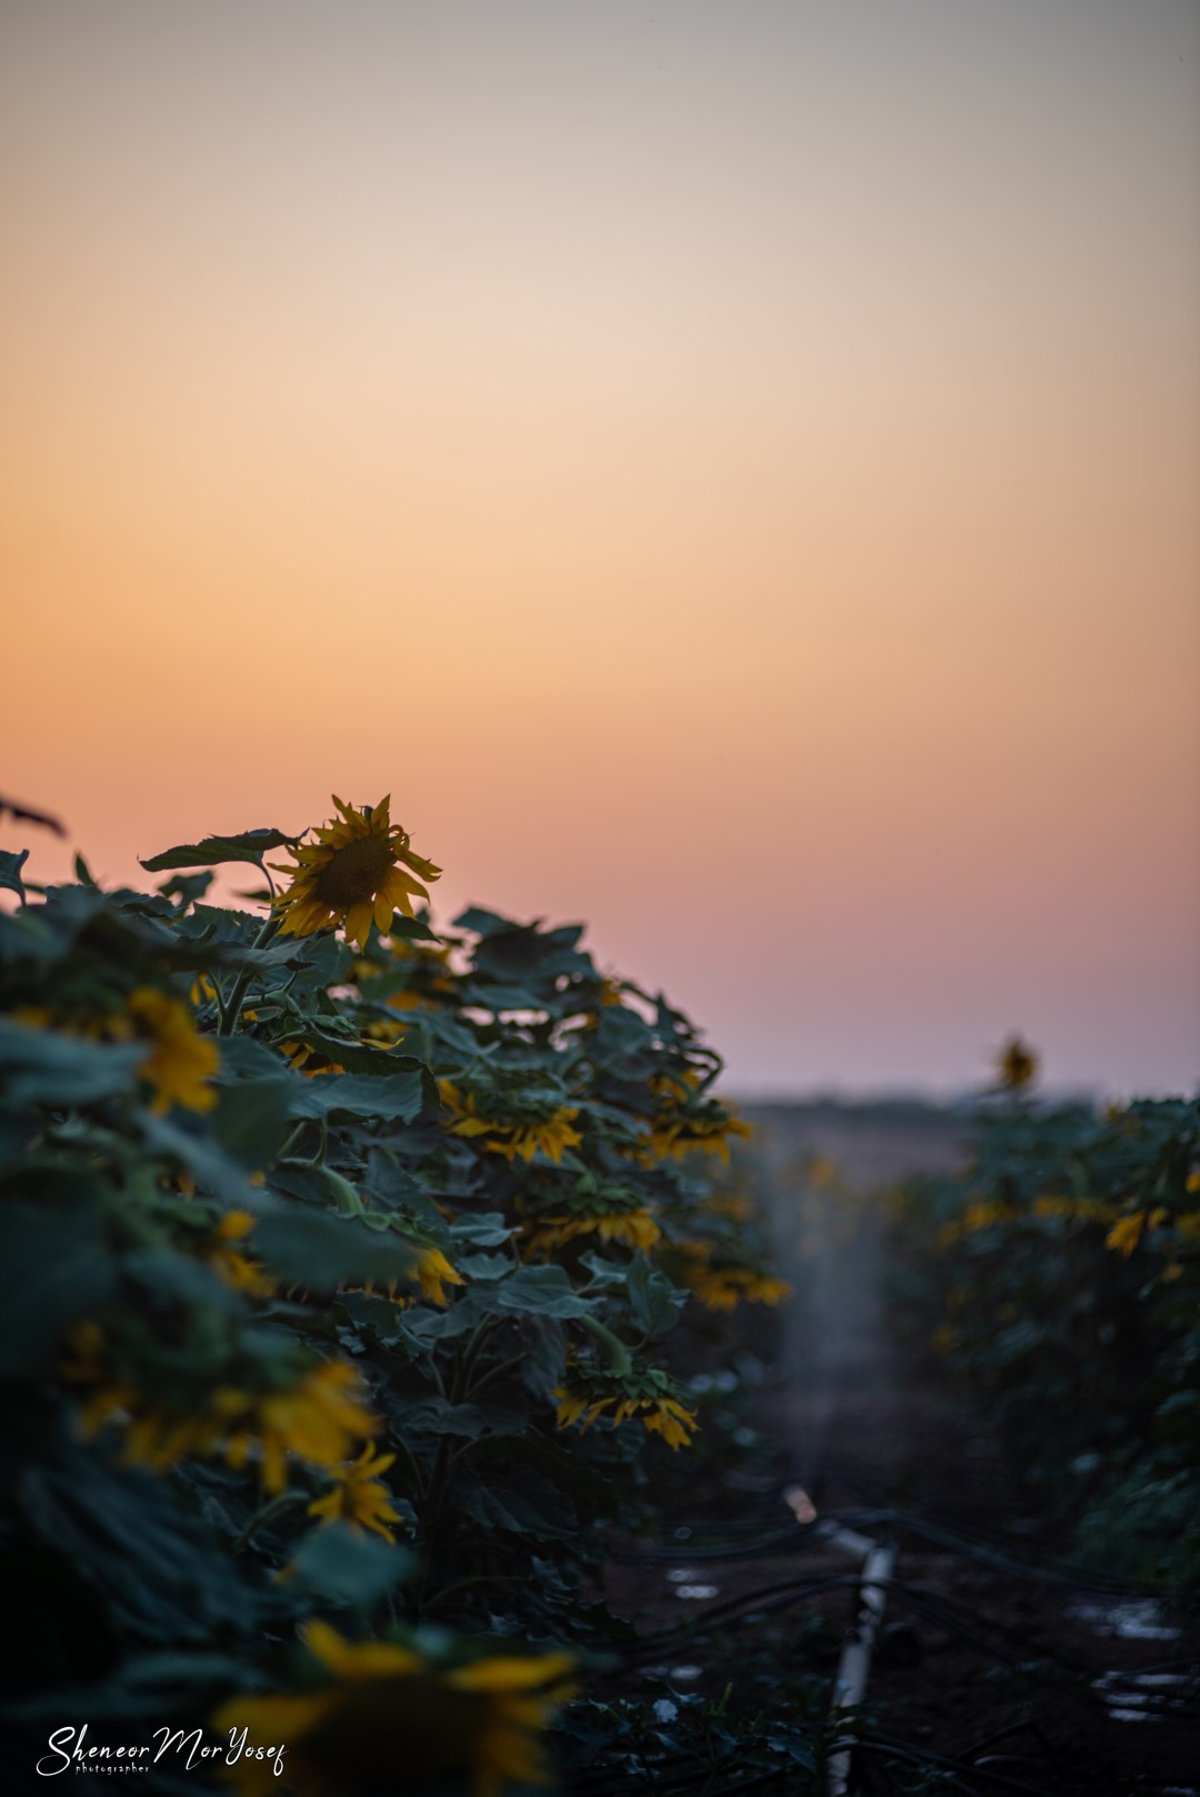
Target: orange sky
[732,472]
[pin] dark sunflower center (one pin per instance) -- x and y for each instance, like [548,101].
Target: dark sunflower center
[354,873]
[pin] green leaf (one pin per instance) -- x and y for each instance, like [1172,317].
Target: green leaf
[483,1266]
[541,1291]
[653,1300]
[319,1250]
[488,1230]
[251,1119]
[250,845]
[187,888]
[349,1568]
[25,936]
[355,1057]
[252,1060]
[206,1161]
[142,1690]
[58,1268]
[397,1098]
[10,871]
[474,1422]
[511,1512]
[162,1569]
[43,1067]
[169,1278]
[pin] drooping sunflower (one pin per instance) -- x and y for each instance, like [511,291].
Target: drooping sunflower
[658,1413]
[357,871]
[511,1135]
[636,1229]
[682,1121]
[724,1288]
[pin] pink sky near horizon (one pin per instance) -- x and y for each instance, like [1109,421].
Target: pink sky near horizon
[732,473]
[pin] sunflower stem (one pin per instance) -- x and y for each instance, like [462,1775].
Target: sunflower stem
[619,1361]
[227,1020]
[266,1513]
[293,1142]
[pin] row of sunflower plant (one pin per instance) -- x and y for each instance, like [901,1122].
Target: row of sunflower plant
[1060,1276]
[340,1258]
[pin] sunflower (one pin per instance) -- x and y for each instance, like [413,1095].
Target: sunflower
[179,1061]
[511,1135]
[435,1272]
[683,1121]
[658,1412]
[409,1724]
[228,1262]
[353,874]
[725,1287]
[316,1419]
[432,1271]
[1016,1066]
[320,1418]
[359,1496]
[635,1229]
[1125,1234]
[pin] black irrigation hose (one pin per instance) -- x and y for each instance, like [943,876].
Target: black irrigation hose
[764,1602]
[1043,1570]
[997,1735]
[968,1772]
[989,1549]
[799,1535]
[1083,1677]
[963,1774]
[770,1599]
[755,1605]
[956,1617]
[945,1612]
[851,1472]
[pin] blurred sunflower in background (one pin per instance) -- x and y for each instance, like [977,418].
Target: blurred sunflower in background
[358,871]
[1017,1066]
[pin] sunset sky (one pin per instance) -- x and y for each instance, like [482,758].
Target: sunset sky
[729,468]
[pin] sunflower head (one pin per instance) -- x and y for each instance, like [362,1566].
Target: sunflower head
[1016,1066]
[358,871]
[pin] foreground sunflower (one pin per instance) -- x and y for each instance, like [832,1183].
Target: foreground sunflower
[353,874]
[389,1719]
[321,1418]
[179,1061]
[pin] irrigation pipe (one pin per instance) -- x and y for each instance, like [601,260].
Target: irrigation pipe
[878,1559]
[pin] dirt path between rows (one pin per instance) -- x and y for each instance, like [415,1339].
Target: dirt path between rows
[990,1656]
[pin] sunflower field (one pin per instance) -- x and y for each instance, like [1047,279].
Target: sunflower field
[1058,1278]
[354,1270]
